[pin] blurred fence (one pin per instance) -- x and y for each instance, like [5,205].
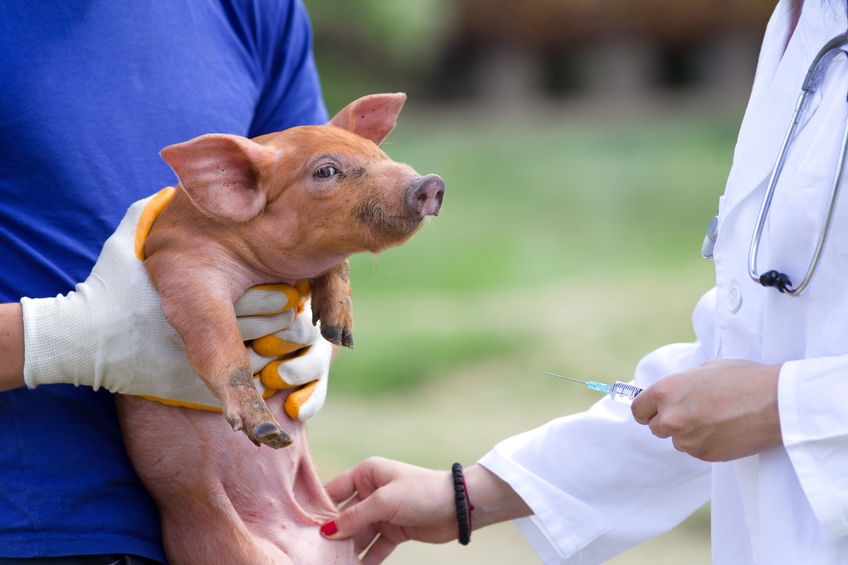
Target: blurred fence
[507,51]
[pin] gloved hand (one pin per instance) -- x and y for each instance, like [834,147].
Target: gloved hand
[111,331]
[296,356]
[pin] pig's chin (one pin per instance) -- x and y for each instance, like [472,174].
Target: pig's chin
[386,229]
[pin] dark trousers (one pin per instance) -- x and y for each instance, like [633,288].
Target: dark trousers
[111,559]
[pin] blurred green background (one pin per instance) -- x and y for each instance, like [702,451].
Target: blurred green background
[583,148]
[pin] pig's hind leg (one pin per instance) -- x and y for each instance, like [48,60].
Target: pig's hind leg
[207,324]
[332,305]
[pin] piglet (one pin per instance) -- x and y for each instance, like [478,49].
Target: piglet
[281,207]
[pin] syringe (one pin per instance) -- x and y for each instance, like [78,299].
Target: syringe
[618,391]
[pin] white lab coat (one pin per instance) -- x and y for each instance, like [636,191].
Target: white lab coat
[789,504]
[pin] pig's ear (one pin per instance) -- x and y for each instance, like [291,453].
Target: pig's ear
[372,116]
[221,173]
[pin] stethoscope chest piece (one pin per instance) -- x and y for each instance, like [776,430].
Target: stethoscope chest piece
[710,239]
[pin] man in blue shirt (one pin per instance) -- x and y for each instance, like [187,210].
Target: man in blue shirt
[92,91]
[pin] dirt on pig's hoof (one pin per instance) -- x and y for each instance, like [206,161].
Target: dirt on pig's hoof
[338,335]
[267,433]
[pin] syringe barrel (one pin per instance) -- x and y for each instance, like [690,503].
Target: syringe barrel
[624,392]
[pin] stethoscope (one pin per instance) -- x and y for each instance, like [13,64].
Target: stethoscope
[812,81]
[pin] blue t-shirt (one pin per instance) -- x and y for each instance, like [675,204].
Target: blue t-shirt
[91,92]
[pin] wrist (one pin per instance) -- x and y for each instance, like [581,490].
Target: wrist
[58,345]
[773,435]
[11,346]
[463,504]
[494,500]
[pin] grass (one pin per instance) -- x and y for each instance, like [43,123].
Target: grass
[532,206]
[568,242]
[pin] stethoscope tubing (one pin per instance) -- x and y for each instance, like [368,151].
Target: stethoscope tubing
[811,84]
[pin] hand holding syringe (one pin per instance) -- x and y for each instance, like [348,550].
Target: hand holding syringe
[618,391]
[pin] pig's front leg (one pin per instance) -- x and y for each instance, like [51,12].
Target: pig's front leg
[206,321]
[332,305]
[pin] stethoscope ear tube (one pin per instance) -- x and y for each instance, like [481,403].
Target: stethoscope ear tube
[812,81]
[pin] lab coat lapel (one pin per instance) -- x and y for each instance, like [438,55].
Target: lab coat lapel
[776,88]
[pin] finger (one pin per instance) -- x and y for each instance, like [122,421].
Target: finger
[298,399]
[363,539]
[252,327]
[312,365]
[679,445]
[306,404]
[644,407]
[258,362]
[366,536]
[657,428]
[298,334]
[342,486]
[266,299]
[378,551]
[302,330]
[263,391]
[353,520]
[350,502]
[273,346]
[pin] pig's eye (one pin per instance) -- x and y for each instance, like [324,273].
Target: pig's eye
[326,171]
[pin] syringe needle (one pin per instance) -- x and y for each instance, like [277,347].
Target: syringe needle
[566,378]
[600,387]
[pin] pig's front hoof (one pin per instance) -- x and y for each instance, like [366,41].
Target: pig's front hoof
[235,422]
[268,433]
[338,335]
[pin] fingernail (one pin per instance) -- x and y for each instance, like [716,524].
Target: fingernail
[329,528]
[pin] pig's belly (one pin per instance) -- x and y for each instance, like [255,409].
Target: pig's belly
[223,499]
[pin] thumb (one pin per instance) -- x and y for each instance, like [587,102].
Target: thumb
[644,406]
[306,401]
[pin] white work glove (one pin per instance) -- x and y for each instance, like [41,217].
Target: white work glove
[296,356]
[110,332]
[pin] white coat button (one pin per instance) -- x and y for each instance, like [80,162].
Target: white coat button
[734,298]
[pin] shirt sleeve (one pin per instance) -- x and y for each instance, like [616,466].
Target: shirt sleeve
[598,482]
[814,425]
[291,94]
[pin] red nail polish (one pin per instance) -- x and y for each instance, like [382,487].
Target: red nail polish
[329,528]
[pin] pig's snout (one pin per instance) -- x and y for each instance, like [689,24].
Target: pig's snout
[425,197]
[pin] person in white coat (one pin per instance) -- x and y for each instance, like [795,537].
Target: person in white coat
[756,408]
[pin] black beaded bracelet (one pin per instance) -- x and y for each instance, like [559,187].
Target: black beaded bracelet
[463,504]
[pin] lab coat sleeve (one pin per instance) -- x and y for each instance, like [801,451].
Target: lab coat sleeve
[598,482]
[813,406]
